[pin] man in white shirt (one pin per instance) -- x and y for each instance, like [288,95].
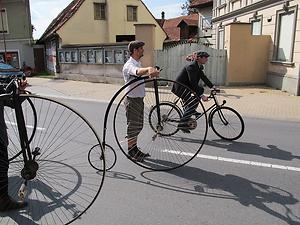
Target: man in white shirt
[134,102]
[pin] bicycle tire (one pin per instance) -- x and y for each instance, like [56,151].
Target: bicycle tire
[96,158]
[227,123]
[167,152]
[30,117]
[171,115]
[65,185]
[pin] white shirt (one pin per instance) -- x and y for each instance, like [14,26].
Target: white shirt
[129,71]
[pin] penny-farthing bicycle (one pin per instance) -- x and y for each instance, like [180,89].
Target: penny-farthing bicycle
[48,159]
[168,146]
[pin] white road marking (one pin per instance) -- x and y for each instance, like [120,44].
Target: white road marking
[239,161]
[27,126]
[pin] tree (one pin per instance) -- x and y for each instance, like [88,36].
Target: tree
[186,10]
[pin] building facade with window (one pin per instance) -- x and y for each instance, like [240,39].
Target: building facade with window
[204,10]
[92,35]
[277,18]
[16,42]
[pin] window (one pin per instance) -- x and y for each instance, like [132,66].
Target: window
[83,56]
[12,58]
[285,35]
[99,56]
[3,20]
[109,56]
[256,26]
[126,55]
[221,2]
[119,57]
[68,56]
[74,56]
[221,38]
[99,11]
[131,13]
[90,56]
[206,23]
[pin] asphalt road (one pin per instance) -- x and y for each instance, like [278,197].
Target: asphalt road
[254,180]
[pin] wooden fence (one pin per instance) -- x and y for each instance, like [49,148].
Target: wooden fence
[172,60]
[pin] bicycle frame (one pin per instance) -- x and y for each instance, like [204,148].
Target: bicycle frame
[210,109]
[29,170]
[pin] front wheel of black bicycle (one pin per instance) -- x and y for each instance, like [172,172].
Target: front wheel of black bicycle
[168,146]
[227,123]
[170,115]
[64,184]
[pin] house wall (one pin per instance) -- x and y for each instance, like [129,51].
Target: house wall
[245,64]
[83,29]
[19,22]
[280,75]
[93,73]
[19,36]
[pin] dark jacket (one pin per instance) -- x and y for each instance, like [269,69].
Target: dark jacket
[190,76]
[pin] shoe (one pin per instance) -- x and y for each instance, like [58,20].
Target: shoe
[137,155]
[142,153]
[183,127]
[8,204]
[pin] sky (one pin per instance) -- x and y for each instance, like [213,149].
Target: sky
[44,11]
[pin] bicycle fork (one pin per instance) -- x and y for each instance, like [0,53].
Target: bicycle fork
[30,165]
[158,125]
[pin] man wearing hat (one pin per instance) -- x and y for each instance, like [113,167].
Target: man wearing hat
[190,76]
[134,101]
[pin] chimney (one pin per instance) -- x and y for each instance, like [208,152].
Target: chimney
[162,15]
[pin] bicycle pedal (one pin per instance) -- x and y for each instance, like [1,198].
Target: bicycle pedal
[22,193]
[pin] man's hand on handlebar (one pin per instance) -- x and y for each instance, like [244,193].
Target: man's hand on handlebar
[153,71]
[22,84]
[204,98]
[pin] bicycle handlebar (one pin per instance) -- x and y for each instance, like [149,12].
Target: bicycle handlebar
[145,77]
[8,89]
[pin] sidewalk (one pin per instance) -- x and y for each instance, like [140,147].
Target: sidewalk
[256,101]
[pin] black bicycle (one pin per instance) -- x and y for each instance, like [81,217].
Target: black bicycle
[226,122]
[48,158]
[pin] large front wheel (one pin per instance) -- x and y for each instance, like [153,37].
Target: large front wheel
[155,125]
[227,123]
[63,185]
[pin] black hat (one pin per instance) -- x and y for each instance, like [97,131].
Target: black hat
[202,54]
[134,45]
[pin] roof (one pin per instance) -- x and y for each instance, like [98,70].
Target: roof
[172,28]
[200,3]
[191,20]
[61,19]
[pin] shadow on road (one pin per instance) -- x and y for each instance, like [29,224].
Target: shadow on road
[272,151]
[208,184]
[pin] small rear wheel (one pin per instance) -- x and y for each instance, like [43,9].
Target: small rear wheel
[227,123]
[96,158]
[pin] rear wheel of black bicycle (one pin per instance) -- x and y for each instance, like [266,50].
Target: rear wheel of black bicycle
[168,147]
[65,185]
[227,123]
